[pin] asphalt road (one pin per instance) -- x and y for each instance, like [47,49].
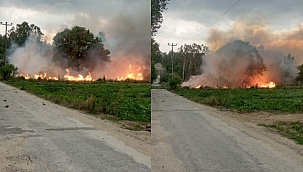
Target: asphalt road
[188,137]
[47,138]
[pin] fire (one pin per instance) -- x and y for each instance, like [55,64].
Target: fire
[25,76]
[134,73]
[44,76]
[78,77]
[263,85]
[269,85]
[198,86]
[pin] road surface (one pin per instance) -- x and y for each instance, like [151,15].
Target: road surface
[36,135]
[190,137]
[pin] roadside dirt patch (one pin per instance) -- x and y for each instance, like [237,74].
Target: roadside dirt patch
[251,120]
[13,156]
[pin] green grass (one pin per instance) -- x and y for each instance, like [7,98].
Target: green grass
[248,100]
[120,100]
[292,130]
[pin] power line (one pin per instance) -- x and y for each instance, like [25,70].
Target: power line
[224,13]
[43,9]
[6,24]
[172,58]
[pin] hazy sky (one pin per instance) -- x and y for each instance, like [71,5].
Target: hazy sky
[189,21]
[124,22]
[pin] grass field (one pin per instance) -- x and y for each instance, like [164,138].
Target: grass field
[248,100]
[120,100]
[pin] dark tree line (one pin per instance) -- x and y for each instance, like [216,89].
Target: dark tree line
[187,60]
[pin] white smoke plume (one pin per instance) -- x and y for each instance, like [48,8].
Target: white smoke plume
[34,58]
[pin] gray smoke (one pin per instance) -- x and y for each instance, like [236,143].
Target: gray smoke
[229,67]
[239,64]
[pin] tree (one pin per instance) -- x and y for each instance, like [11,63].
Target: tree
[156,54]
[300,74]
[192,56]
[187,60]
[7,71]
[2,49]
[247,52]
[79,47]
[157,7]
[22,31]
[153,72]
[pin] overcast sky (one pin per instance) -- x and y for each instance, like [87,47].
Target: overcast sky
[190,21]
[123,21]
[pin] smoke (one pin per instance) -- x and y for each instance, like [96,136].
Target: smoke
[128,41]
[125,32]
[33,58]
[237,64]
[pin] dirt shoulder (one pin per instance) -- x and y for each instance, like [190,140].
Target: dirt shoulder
[248,124]
[251,120]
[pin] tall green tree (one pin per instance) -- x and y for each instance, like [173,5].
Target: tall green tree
[192,59]
[79,47]
[21,32]
[300,74]
[187,60]
[156,54]
[157,7]
[2,49]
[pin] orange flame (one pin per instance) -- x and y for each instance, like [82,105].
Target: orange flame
[133,73]
[269,85]
[78,77]
[198,86]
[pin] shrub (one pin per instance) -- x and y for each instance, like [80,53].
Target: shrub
[7,71]
[175,82]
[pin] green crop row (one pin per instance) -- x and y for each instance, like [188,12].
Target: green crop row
[248,100]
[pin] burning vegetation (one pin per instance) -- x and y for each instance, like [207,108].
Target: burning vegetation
[263,61]
[75,55]
[241,65]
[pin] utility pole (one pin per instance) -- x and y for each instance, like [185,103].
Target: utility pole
[172,58]
[6,24]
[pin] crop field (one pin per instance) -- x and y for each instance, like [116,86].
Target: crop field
[119,100]
[248,100]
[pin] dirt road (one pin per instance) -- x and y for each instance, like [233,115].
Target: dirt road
[36,135]
[190,137]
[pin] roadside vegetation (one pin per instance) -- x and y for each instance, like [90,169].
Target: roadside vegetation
[291,130]
[118,100]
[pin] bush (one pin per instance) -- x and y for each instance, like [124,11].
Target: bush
[6,71]
[165,77]
[175,82]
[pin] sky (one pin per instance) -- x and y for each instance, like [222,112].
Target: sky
[126,23]
[200,21]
